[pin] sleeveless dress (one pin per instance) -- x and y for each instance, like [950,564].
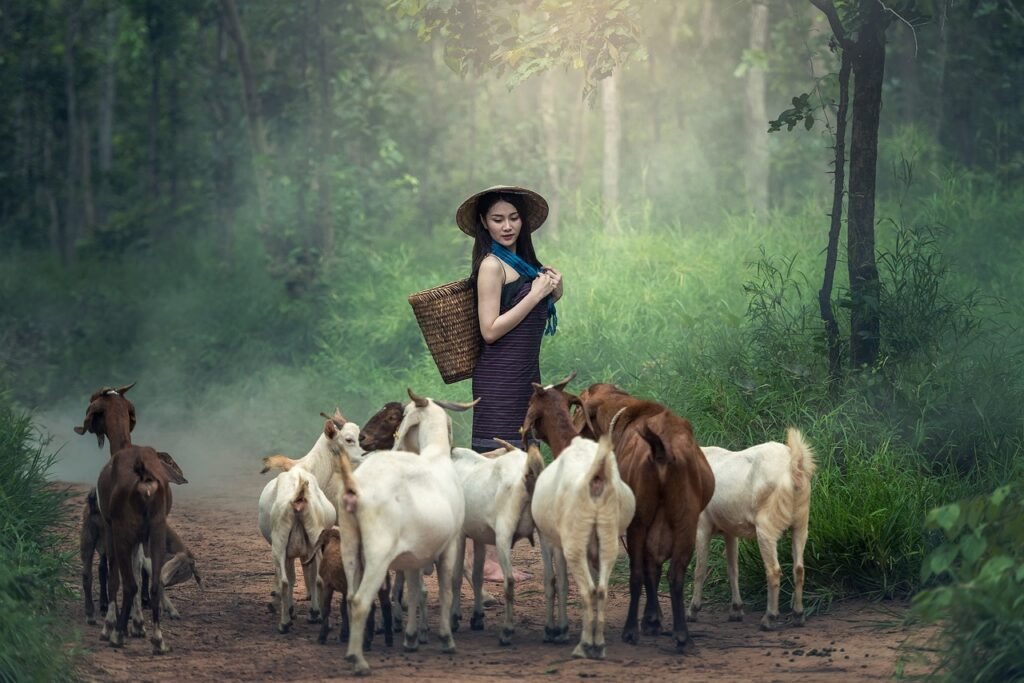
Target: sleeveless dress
[504,372]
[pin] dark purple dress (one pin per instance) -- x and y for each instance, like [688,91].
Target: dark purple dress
[504,372]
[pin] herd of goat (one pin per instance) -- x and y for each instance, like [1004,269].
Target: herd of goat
[397,497]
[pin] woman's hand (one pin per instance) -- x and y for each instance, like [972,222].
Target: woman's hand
[556,276]
[544,285]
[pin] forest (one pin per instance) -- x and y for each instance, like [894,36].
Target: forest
[767,213]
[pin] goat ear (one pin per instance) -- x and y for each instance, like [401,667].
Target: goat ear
[174,473]
[330,429]
[537,389]
[123,390]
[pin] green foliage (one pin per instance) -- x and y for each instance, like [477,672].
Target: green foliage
[977,591]
[31,572]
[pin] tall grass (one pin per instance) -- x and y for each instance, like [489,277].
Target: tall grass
[722,326]
[31,573]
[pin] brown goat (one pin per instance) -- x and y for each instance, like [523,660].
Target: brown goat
[660,460]
[134,498]
[548,417]
[111,416]
[332,577]
[378,434]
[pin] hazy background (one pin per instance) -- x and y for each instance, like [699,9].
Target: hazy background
[248,277]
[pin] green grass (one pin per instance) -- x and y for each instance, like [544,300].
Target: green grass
[31,572]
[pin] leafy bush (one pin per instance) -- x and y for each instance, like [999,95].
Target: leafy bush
[30,572]
[979,598]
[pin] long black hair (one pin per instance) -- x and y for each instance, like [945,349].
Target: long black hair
[482,238]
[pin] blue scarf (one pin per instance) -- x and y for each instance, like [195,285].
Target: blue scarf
[528,271]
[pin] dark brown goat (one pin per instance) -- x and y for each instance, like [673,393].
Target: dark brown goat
[111,416]
[662,463]
[378,434]
[134,497]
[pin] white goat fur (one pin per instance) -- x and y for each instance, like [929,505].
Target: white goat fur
[581,506]
[292,513]
[759,492]
[405,512]
[497,492]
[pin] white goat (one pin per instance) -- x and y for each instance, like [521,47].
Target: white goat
[581,506]
[293,514]
[321,461]
[498,492]
[759,492]
[404,512]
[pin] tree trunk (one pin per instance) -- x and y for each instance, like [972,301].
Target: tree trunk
[108,93]
[153,123]
[868,72]
[325,226]
[579,136]
[832,251]
[253,113]
[610,108]
[755,170]
[548,110]
[66,241]
[88,202]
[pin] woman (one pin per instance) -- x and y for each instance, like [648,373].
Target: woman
[515,307]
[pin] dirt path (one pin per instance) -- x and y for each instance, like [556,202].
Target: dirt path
[227,634]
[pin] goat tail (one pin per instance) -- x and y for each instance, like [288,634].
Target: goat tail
[281,462]
[601,475]
[801,458]
[349,500]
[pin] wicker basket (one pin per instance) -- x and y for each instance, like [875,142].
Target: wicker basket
[447,317]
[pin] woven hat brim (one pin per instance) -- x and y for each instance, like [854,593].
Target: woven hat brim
[535,206]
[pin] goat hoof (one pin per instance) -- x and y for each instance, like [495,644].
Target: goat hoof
[651,628]
[424,637]
[313,617]
[138,630]
[768,622]
[476,622]
[284,628]
[595,651]
[630,636]
[116,639]
[448,645]
[799,618]
[556,635]
[160,647]
[506,636]
[685,646]
[579,652]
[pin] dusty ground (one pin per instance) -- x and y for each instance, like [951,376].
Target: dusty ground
[227,634]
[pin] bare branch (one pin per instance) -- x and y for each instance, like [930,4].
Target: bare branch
[893,12]
[829,10]
[1014,12]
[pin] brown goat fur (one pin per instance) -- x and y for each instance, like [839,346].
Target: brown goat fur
[660,460]
[378,434]
[332,576]
[111,417]
[134,497]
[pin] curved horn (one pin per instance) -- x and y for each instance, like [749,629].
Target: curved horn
[611,426]
[561,385]
[508,447]
[457,407]
[123,390]
[417,399]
